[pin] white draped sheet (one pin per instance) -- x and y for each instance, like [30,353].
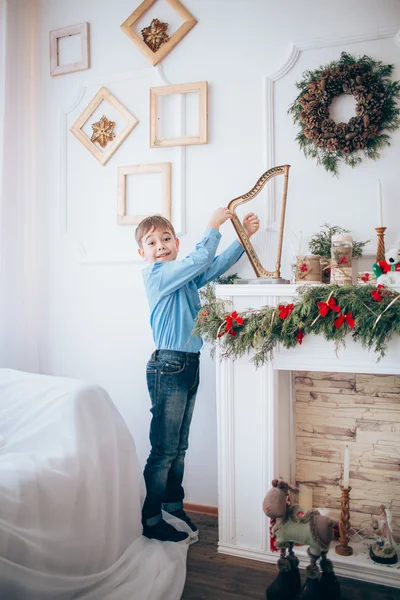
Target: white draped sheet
[71,491]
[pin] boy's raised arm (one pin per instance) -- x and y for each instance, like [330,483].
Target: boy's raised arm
[175,274]
[221,264]
[230,256]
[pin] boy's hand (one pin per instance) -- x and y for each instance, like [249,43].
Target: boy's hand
[251,224]
[218,217]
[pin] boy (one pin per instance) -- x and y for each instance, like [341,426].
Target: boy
[173,369]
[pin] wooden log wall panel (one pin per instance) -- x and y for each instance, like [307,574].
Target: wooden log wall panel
[335,409]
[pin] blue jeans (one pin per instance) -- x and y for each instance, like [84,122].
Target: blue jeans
[172,380]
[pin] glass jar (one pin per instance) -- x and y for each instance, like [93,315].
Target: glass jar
[342,259]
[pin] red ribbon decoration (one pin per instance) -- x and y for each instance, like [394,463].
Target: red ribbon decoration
[303,267]
[299,336]
[325,307]
[345,318]
[284,311]
[204,315]
[377,295]
[272,538]
[229,323]
[342,260]
[365,277]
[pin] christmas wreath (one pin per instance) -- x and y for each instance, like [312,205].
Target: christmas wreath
[376,110]
[371,315]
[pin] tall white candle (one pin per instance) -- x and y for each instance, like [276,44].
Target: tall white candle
[380,213]
[346,467]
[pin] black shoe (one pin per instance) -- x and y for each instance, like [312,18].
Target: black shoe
[165,532]
[180,514]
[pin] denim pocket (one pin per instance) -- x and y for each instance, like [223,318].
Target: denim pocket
[169,368]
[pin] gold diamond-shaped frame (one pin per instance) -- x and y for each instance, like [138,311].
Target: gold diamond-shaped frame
[156,57]
[76,129]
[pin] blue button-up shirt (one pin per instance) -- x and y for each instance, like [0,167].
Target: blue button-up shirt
[172,291]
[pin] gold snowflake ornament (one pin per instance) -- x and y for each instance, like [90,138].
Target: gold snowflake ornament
[103,131]
[155,34]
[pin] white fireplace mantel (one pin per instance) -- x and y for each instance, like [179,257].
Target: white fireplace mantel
[255,409]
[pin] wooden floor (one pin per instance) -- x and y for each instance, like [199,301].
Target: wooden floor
[213,576]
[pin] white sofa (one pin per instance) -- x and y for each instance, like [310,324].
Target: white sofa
[71,491]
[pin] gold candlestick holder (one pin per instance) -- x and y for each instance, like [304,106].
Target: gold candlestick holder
[344,524]
[380,250]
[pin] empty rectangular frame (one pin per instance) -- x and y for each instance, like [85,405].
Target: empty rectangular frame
[123,172]
[156,141]
[84,63]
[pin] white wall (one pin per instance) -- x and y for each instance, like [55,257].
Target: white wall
[94,317]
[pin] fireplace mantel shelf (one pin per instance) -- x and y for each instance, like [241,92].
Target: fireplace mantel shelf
[256,441]
[315,353]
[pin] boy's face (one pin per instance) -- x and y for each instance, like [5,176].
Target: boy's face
[159,245]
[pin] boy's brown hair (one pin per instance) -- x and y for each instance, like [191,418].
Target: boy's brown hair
[153,222]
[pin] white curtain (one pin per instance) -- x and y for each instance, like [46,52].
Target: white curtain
[2,227]
[19,286]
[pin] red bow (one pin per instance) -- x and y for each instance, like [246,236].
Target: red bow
[342,260]
[299,337]
[284,311]
[377,295]
[229,323]
[325,307]
[342,318]
[365,277]
[204,315]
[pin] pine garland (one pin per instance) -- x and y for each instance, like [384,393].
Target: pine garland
[362,314]
[329,142]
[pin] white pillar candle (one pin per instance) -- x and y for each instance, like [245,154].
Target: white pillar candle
[380,213]
[305,497]
[346,467]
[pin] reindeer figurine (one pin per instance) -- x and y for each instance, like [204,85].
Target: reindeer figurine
[294,526]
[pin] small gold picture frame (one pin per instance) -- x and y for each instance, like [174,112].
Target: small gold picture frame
[201,88]
[123,172]
[259,270]
[130,124]
[156,57]
[84,63]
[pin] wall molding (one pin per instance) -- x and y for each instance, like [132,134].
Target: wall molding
[295,49]
[179,194]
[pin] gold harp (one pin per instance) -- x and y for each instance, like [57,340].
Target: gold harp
[251,253]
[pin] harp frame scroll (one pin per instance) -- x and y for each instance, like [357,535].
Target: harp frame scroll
[259,270]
